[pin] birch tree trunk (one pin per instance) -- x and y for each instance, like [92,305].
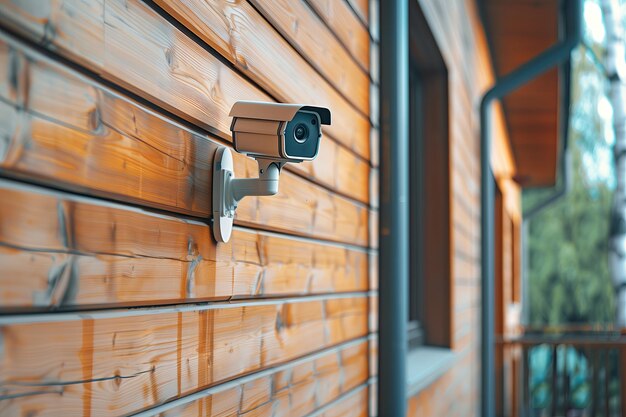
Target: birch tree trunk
[616,67]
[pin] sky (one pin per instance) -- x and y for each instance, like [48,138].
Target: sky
[598,164]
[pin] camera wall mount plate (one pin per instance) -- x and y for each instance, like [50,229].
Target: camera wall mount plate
[223,210]
[228,191]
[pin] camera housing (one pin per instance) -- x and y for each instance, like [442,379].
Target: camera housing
[273,134]
[282,132]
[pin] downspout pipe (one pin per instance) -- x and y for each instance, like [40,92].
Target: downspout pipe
[394,212]
[559,192]
[547,60]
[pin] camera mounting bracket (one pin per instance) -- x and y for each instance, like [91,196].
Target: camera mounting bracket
[228,190]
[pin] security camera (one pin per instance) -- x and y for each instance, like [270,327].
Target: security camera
[271,133]
[280,132]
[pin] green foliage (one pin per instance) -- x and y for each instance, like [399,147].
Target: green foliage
[569,279]
[568,274]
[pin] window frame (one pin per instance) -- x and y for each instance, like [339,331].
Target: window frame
[430,316]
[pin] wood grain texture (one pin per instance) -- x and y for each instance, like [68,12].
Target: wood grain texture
[153,150]
[373,229]
[302,208]
[516,249]
[239,33]
[71,134]
[106,364]
[61,251]
[373,313]
[373,268]
[295,391]
[361,8]
[355,404]
[73,28]
[373,352]
[347,27]
[181,76]
[531,111]
[308,34]
[62,129]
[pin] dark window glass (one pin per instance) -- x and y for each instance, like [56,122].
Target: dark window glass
[416,210]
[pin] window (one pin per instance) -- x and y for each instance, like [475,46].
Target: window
[416,217]
[430,304]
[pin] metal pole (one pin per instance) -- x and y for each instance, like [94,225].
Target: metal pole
[545,61]
[393,229]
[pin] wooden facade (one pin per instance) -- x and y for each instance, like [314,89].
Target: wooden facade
[461,38]
[115,299]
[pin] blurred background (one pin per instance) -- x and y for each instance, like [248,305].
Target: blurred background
[568,285]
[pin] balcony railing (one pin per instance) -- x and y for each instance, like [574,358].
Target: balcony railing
[570,375]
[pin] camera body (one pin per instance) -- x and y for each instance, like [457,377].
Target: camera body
[279,132]
[273,134]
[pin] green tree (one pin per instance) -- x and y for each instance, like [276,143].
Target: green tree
[568,274]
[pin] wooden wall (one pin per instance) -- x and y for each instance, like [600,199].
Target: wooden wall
[114,297]
[460,36]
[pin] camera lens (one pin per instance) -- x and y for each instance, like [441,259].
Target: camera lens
[300,133]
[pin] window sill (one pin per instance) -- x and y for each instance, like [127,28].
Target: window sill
[425,365]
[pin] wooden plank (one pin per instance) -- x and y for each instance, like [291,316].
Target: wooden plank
[361,8]
[517,261]
[240,34]
[181,77]
[157,146]
[346,26]
[375,146]
[62,251]
[304,209]
[373,349]
[373,229]
[373,313]
[73,135]
[355,404]
[73,28]
[296,390]
[114,363]
[373,270]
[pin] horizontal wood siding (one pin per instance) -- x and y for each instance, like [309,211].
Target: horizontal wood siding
[295,389]
[75,136]
[353,405]
[85,252]
[241,34]
[346,26]
[182,77]
[456,392]
[114,364]
[460,37]
[115,298]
